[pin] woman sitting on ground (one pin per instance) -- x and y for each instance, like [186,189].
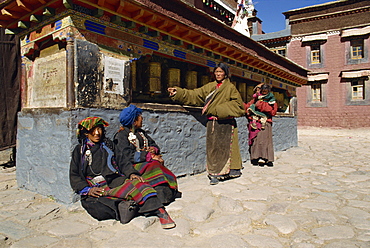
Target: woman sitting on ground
[105,189]
[135,148]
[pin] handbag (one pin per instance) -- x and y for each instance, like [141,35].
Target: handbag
[127,211]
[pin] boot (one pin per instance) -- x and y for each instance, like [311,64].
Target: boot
[165,219]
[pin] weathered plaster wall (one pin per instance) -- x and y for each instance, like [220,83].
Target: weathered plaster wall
[46,82]
[46,139]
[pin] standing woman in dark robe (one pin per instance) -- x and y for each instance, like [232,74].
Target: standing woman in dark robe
[221,103]
[135,148]
[103,186]
[261,147]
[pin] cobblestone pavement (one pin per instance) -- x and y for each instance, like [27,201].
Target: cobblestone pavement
[315,195]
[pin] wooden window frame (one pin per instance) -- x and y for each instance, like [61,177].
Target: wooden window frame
[278,50]
[357,90]
[315,102]
[357,49]
[316,92]
[315,54]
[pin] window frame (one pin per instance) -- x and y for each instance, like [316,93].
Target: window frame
[316,96]
[319,48]
[365,100]
[314,103]
[350,43]
[357,84]
[315,54]
[278,49]
[356,43]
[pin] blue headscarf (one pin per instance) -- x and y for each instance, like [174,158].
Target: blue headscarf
[129,114]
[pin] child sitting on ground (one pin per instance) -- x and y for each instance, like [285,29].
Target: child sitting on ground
[260,94]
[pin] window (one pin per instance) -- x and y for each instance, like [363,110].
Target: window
[357,87]
[316,92]
[357,49]
[280,50]
[315,54]
[358,90]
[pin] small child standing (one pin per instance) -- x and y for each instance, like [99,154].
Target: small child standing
[260,94]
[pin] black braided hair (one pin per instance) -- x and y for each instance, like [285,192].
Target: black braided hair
[266,87]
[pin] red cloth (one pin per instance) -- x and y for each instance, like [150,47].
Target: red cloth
[264,107]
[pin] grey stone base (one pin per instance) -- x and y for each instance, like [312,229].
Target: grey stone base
[46,138]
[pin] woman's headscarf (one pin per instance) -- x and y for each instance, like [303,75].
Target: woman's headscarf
[88,123]
[129,114]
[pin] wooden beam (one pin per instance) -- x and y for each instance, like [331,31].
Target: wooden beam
[264,66]
[14,15]
[279,73]
[121,6]
[23,6]
[162,24]
[230,52]
[222,49]
[206,42]
[244,57]
[3,23]
[255,63]
[173,28]
[48,11]
[269,68]
[137,14]
[237,55]
[197,38]
[150,19]
[68,4]
[35,18]
[13,30]
[23,24]
[185,34]
[291,77]
[215,46]
[249,61]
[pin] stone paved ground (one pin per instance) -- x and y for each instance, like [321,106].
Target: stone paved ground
[315,195]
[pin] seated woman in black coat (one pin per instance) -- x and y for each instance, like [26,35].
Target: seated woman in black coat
[135,148]
[105,189]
